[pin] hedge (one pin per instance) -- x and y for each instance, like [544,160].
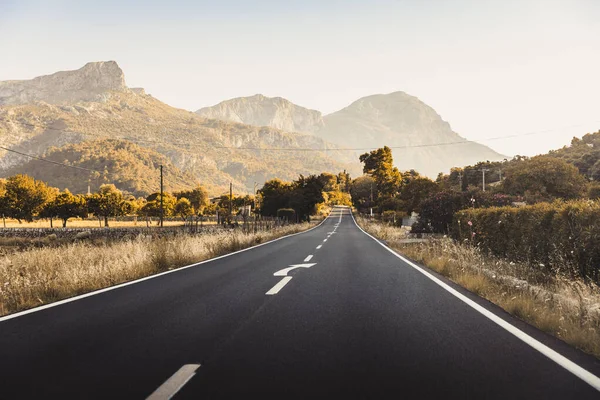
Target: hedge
[560,236]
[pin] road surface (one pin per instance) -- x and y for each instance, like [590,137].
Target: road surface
[329,313]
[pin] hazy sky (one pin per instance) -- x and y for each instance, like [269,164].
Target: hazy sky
[490,68]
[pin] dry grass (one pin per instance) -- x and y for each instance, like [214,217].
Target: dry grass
[566,308]
[38,276]
[89,223]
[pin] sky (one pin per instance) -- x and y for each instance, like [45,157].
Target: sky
[489,68]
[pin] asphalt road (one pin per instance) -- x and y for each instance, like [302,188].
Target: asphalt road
[358,323]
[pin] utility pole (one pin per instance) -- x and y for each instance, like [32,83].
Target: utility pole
[483,170]
[460,181]
[162,210]
[500,174]
[254,194]
[230,200]
[371,202]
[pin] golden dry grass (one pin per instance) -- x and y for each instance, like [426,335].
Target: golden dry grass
[38,276]
[89,223]
[566,308]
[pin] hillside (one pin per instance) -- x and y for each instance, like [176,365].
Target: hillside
[130,167]
[584,153]
[212,152]
[396,120]
[259,110]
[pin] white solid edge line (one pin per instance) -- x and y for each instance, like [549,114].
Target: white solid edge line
[319,246]
[307,259]
[561,360]
[275,289]
[174,384]
[120,285]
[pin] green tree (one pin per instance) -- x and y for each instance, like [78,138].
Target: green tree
[360,190]
[152,206]
[380,165]
[3,201]
[544,178]
[307,192]
[24,197]
[330,182]
[198,198]
[344,181]
[275,194]
[107,202]
[183,208]
[64,206]
[415,191]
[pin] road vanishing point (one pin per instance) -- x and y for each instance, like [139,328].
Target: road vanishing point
[327,313]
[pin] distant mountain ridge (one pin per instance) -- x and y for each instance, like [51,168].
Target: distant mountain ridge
[94,104]
[259,110]
[422,139]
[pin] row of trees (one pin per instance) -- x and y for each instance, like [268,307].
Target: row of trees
[24,198]
[385,189]
[300,199]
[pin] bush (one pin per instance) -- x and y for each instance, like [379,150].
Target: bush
[287,213]
[393,217]
[560,236]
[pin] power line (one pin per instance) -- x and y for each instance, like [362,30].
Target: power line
[465,141]
[175,184]
[52,162]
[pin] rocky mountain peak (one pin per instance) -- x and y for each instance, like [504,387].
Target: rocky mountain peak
[260,110]
[84,84]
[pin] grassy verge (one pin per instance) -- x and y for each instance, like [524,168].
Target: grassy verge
[43,275]
[566,308]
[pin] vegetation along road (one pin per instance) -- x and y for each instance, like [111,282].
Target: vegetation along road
[328,312]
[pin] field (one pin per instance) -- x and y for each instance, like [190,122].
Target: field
[566,307]
[94,223]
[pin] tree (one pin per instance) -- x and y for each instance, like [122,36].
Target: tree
[415,191]
[152,206]
[275,194]
[380,165]
[544,178]
[3,201]
[107,202]
[344,181]
[330,182]
[64,206]
[183,208]
[360,190]
[307,192]
[437,211]
[24,197]
[198,198]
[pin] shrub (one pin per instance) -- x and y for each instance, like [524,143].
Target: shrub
[560,236]
[287,213]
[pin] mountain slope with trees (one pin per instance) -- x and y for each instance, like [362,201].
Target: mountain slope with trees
[213,152]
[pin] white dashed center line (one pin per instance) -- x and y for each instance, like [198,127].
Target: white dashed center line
[307,259]
[319,246]
[168,389]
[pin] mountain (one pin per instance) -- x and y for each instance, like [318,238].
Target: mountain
[422,140]
[93,103]
[85,84]
[130,167]
[259,110]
